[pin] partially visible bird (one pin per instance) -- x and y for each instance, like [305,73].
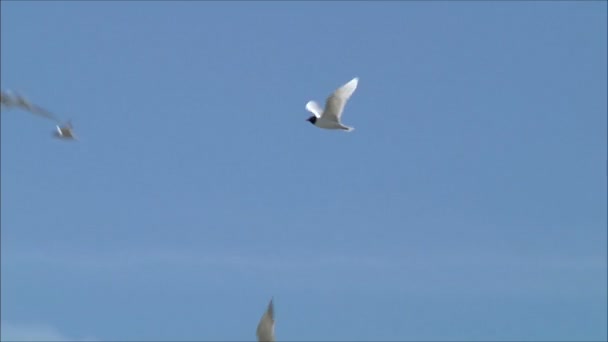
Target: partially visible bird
[329,118]
[65,131]
[12,99]
[265,331]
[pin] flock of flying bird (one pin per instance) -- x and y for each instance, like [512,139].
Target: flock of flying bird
[327,118]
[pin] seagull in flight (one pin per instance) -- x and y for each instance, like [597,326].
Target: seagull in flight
[11,99]
[265,331]
[329,118]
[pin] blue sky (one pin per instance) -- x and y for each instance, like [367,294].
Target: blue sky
[468,204]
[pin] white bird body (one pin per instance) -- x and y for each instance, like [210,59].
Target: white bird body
[265,330]
[330,117]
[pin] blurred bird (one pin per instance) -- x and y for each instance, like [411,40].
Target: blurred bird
[265,331]
[329,118]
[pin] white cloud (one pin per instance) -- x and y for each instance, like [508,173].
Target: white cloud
[14,332]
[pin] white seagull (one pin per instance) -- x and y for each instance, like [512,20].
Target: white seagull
[65,132]
[329,118]
[265,331]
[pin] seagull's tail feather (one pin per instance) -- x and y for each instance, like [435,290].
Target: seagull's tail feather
[348,129]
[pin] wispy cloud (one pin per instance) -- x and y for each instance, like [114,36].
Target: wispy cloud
[16,332]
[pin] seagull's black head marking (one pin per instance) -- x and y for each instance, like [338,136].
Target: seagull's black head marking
[312,119]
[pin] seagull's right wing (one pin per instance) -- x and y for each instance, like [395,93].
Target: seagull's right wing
[10,99]
[5,98]
[265,331]
[335,102]
[42,112]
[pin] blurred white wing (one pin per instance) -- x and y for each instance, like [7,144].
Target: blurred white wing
[11,99]
[314,108]
[42,112]
[265,331]
[6,98]
[335,102]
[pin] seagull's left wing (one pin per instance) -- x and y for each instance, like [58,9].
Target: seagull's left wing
[265,331]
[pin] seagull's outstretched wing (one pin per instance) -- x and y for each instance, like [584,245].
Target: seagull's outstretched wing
[314,108]
[335,102]
[6,99]
[12,99]
[265,331]
[34,109]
